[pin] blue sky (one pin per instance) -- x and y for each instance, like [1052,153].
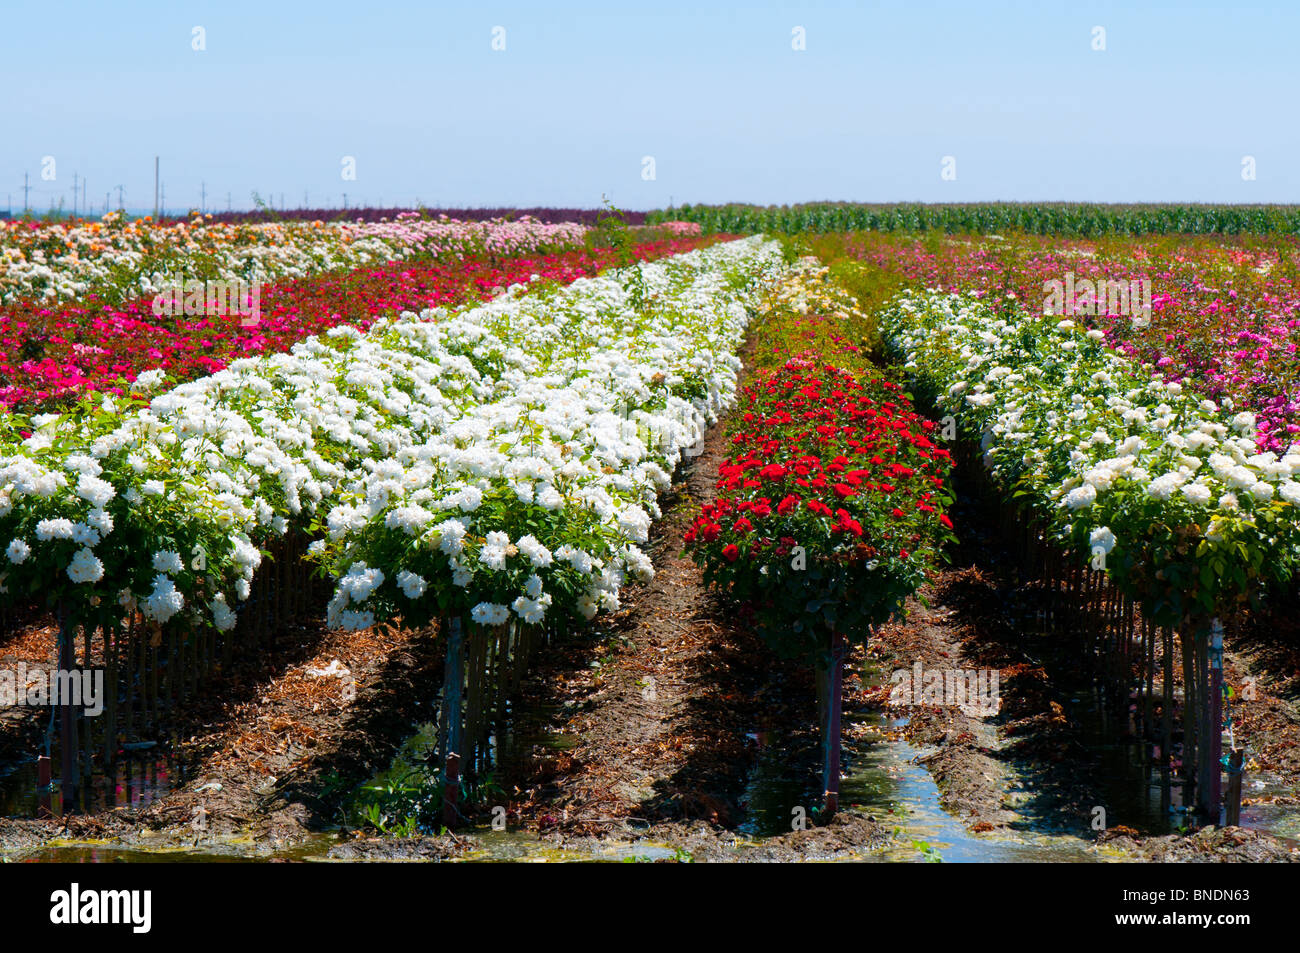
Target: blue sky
[715,93]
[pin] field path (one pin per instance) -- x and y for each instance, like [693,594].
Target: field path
[660,700]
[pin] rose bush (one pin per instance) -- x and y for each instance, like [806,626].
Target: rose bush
[1164,489]
[830,509]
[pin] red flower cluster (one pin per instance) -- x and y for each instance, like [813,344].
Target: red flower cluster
[818,439]
[833,499]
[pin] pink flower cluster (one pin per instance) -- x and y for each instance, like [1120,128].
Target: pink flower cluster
[1225,312]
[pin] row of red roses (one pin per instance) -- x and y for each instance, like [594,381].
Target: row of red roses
[821,453]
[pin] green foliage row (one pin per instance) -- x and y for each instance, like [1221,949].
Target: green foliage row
[1048,218]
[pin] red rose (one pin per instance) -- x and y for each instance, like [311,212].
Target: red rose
[731,552]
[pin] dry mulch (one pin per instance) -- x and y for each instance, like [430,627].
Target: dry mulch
[269,748]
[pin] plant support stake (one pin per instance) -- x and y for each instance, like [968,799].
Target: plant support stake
[453,683]
[67,714]
[1214,757]
[835,704]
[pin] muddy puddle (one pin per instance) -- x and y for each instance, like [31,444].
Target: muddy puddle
[883,778]
[86,854]
[133,783]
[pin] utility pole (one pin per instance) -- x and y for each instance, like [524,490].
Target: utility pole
[203,195]
[155,188]
[345,201]
[26,189]
[304,198]
[75,193]
[120,203]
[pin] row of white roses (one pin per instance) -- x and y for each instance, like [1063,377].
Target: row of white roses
[155,257]
[503,459]
[1105,448]
[538,498]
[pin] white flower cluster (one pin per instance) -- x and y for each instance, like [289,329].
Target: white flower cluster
[1105,447]
[509,454]
[557,422]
